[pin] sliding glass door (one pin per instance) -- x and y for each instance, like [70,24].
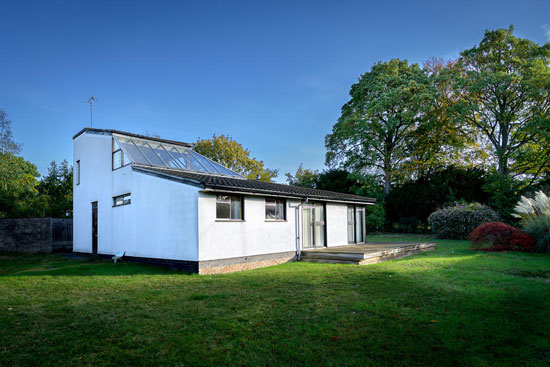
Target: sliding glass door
[351,224]
[314,225]
[356,224]
[360,225]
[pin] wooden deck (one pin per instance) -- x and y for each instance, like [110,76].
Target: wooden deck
[364,254]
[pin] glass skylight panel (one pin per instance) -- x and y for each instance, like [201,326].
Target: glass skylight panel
[205,163]
[132,150]
[166,155]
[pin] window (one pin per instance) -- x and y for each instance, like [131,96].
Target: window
[122,200]
[275,209]
[229,207]
[77,173]
[118,156]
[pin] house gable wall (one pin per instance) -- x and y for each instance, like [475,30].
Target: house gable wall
[160,222]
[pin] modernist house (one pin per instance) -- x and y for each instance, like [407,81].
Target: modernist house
[157,200]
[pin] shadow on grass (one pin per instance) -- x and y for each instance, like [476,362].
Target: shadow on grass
[292,314]
[52,266]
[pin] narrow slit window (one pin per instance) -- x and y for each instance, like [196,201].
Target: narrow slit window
[77,172]
[122,200]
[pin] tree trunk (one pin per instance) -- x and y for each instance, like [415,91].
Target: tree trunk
[502,150]
[387,183]
[503,165]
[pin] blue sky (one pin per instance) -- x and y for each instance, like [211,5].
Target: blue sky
[273,75]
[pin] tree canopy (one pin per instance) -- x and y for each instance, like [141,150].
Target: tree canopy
[504,89]
[229,153]
[374,131]
[56,190]
[18,186]
[303,177]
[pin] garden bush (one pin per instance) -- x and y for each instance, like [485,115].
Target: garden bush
[539,229]
[497,236]
[456,222]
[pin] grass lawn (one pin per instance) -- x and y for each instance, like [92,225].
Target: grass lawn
[448,307]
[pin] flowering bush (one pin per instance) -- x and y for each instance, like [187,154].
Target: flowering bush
[497,236]
[459,220]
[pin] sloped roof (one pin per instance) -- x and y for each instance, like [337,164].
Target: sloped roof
[161,153]
[243,185]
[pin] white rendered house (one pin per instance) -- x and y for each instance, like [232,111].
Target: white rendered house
[158,201]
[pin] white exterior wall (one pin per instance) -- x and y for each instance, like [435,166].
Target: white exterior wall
[222,239]
[160,222]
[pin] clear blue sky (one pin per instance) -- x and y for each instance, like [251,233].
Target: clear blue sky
[273,75]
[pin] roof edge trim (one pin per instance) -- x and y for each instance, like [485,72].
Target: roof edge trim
[94,130]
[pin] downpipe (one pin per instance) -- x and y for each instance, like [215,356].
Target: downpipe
[297,225]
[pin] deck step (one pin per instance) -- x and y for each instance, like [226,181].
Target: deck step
[331,261]
[333,256]
[365,256]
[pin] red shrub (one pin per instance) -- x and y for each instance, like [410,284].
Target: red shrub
[496,236]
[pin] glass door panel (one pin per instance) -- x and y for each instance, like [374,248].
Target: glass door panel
[319,225]
[308,227]
[351,224]
[360,225]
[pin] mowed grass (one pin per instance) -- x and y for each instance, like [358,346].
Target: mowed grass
[448,307]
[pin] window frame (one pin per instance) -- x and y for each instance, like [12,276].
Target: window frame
[127,201]
[276,202]
[123,162]
[230,197]
[77,169]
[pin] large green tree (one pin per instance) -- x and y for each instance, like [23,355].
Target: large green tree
[18,187]
[56,190]
[229,153]
[375,132]
[439,141]
[18,178]
[504,89]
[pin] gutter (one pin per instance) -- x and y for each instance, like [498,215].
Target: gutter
[213,189]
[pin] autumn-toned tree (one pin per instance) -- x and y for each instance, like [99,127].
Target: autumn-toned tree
[229,153]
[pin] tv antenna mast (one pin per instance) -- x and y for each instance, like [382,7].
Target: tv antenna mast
[92,100]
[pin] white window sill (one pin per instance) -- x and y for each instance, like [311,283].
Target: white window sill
[230,220]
